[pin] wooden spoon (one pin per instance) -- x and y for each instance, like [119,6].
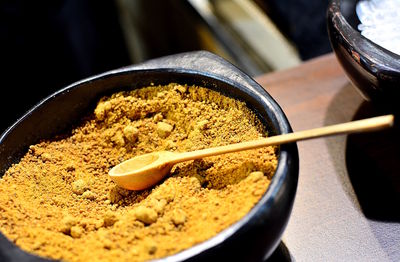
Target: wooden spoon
[144,171]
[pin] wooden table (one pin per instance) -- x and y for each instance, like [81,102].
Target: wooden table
[337,215]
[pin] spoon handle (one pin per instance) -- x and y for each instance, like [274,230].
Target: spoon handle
[366,125]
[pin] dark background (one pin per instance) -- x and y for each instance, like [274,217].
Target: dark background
[46,45]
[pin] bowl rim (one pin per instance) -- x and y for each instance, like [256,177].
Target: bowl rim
[376,59]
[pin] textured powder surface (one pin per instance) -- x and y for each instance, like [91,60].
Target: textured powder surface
[59,202]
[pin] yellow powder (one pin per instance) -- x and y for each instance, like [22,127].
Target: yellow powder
[59,202]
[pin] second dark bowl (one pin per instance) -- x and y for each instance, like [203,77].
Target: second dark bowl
[372,69]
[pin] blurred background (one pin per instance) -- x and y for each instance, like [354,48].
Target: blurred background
[46,45]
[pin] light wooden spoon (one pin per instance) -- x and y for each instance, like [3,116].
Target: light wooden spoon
[144,171]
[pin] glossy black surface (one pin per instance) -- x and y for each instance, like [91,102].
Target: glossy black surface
[373,70]
[255,236]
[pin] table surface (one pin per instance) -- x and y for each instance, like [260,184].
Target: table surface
[336,215]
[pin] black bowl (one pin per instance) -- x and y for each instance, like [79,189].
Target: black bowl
[372,69]
[252,238]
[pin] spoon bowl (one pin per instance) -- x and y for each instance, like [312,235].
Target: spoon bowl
[140,172]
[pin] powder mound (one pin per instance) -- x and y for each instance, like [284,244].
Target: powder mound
[109,218]
[146,215]
[164,129]
[79,186]
[59,202]
[178,217]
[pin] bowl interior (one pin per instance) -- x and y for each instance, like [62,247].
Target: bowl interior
[348,10]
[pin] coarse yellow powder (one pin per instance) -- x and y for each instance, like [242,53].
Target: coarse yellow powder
[59,201]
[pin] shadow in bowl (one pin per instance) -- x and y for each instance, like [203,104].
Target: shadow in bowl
[348,9]
[372,163]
